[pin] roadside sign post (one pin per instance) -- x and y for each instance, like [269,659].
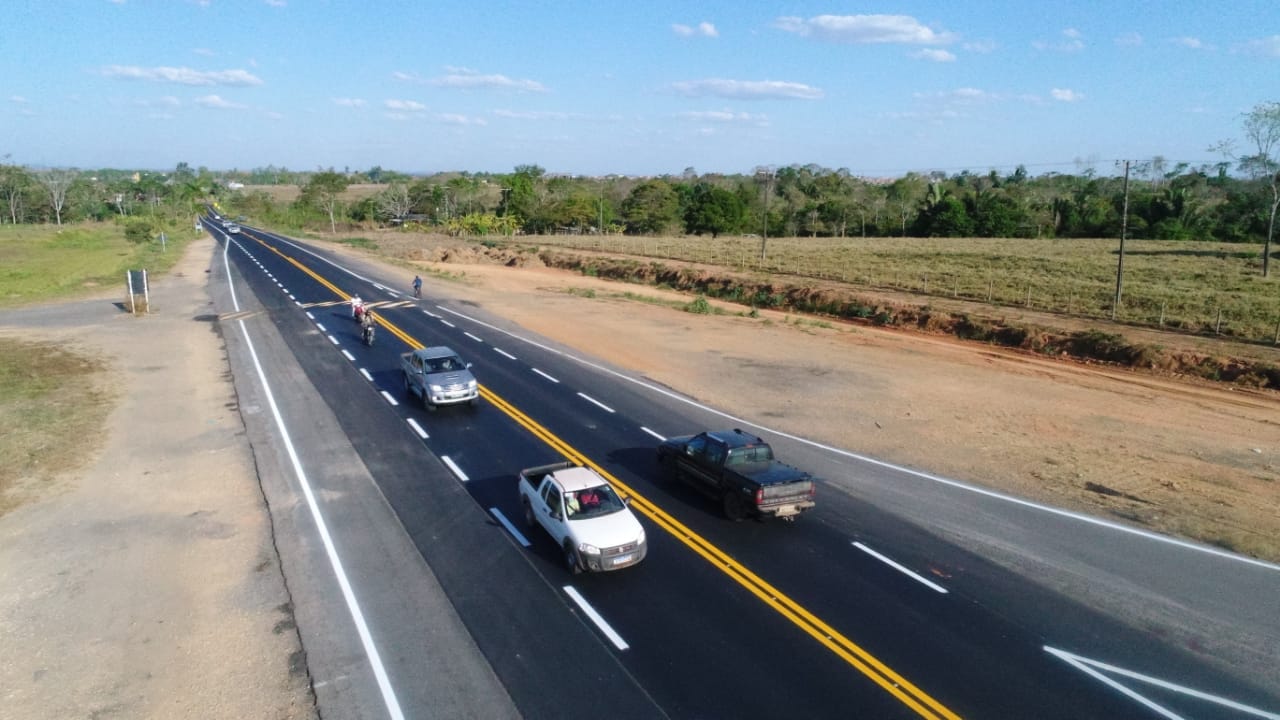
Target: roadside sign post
[137,285]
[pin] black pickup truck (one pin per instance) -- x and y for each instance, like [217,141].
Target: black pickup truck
[738,470]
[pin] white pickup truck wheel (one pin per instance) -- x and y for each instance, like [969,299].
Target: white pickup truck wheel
[571,559]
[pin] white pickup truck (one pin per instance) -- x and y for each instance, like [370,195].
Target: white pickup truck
[594,528]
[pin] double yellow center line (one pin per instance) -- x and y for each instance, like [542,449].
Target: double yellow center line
[849,651]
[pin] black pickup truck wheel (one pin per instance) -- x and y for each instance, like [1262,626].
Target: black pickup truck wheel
[734,507]
[529,519]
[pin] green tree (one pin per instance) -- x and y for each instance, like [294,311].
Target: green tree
[652,207]
[323,190]
[713,210]
[15,185]
[1262,131]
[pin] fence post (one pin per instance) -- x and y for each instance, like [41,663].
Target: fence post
[1028,295]
[1276,341]
[955,288]
[1217,325]
[988,289]
[1162,304]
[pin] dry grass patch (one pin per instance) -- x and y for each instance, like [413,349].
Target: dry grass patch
[53,408]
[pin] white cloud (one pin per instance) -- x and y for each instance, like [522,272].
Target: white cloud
[216,102]
[864,29]
[404,105]
[705,29]
[1192,43]
[165,101]
[468,79]
[457,119]
[1065,95]
[1265,47]
[204,52]
[17,99]
[961,95]
[276,3]
[1074,42]
[348,102]
[724,116]
[747,89]
[182,75]
[1129,39]
[934,55]
[532,115]
[980,46]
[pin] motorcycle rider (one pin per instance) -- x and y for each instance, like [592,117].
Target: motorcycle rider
[366,327]
[357,307]
[417,286]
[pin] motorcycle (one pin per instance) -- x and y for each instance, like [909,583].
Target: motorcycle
[366,334]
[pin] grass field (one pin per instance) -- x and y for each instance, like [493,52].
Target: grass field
[50,415]
[42,262]
[1191,286]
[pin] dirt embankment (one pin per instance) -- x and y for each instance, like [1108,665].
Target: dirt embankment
[1171,355]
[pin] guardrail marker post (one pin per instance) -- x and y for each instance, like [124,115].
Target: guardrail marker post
[1217,325]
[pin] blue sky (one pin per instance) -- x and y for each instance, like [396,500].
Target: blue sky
[636,88]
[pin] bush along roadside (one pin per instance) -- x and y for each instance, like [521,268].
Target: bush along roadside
[1086,345]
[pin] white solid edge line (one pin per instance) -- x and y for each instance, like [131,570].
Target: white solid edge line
[900,568]
[454,468]
[348,355]
[417,428]
[366,374]
[545,375]
[473,337]
[320,326]
[504,353]
[1085,664]
[1184,544]
[590,612]
[595,402]
[390,399]
[446,322]
[348,593]
[660,438]
[333,340]
[520,538]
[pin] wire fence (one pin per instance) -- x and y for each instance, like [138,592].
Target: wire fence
[1194,288]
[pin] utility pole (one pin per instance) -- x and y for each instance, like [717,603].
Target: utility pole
[768,190]
[1124,231]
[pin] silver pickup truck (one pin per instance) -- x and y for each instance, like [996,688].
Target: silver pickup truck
[438,377]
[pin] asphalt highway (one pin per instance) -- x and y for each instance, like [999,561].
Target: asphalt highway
[871,606]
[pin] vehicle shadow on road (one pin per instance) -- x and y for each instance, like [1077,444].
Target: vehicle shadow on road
[643,462]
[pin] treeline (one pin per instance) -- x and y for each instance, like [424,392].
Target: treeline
[1165,202]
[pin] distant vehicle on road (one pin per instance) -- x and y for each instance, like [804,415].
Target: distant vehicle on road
[738,469]
[583,514]
[232,228]
[438,377]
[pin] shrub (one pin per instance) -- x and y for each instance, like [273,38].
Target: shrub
[699,306]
